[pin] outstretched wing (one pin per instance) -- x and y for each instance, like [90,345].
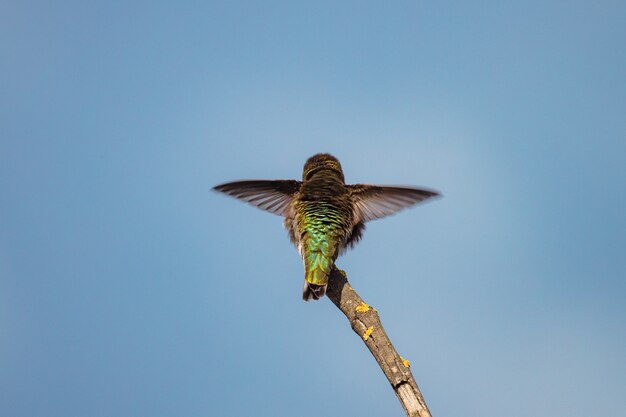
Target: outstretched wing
[273,196]
[373,202]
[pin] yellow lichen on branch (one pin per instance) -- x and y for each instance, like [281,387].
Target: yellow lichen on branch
[362,308]
[405,362]
[368,332]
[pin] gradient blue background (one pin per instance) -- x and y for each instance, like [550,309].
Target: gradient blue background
[127,288]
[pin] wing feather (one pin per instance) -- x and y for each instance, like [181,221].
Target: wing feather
[273,196]
[373,202]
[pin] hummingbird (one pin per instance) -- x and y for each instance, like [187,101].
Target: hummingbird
[323,215]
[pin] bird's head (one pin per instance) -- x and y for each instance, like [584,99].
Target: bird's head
[321,162]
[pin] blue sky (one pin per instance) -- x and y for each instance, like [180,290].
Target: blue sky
[127,288]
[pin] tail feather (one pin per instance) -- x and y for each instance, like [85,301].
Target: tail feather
[313,291]
[317,268]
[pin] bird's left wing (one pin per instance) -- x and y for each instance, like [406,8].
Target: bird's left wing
[273,196]
[373,202]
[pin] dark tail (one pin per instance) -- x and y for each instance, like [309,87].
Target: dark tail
[313,291]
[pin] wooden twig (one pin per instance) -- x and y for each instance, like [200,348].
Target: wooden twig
[366,323]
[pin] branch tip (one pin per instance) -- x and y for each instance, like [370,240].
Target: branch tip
[382,349]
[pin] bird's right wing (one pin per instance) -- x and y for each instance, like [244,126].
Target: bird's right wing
[273,196]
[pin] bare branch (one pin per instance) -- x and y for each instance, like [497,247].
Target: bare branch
[366,323]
